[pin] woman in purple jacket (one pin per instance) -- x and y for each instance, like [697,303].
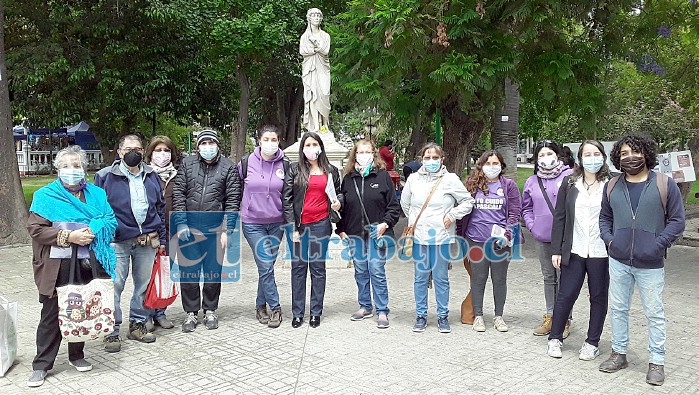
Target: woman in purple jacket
[538,204]
[262,213]
[497,210]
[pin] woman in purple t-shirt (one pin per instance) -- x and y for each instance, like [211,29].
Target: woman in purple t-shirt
[495,212]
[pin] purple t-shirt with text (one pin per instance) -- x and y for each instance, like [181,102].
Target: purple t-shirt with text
[488,211]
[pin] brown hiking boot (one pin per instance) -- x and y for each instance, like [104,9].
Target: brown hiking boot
[545,327]
[262,315]
[276,319]
[138,331]
[615,363]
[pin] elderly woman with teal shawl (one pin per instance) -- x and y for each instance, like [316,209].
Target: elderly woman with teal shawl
[65,214]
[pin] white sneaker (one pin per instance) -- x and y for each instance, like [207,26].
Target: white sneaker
[554,348]
[500,324]
[478,324]
[588,352]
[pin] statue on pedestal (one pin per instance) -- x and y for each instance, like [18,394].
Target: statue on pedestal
[314,46]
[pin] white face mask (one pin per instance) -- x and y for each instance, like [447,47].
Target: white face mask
[161,158]
[492,171]
[312,153]
[548,162]
[269,148]
[365,159]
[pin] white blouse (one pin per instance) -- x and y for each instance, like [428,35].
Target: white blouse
[587,242]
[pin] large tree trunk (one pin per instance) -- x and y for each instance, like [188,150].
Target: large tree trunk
[284,103]
[239,135]
[461,133]
[13,210]
[505,134]
[418,138]
[293,117]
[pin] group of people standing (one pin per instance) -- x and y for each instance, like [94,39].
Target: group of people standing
[573,215]
[614,230]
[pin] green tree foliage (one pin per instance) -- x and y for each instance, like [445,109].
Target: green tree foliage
[108,62]
[417,55]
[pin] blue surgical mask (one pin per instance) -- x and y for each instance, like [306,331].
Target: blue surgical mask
[593,163]
[71,176]
[432,165]
[208,152]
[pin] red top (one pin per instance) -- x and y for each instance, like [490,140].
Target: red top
[387,157]
[315,205]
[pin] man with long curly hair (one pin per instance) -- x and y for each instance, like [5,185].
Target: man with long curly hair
[641,216]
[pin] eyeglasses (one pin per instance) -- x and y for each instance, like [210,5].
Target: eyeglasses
[161,150]
[129,149]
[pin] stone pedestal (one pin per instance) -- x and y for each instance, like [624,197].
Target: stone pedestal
[337,155]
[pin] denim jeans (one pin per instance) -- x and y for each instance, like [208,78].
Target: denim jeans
[428,258]
[140,259]
[370,274]
[651,283]
[264,240]
[310,253]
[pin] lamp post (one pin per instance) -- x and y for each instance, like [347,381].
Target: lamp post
[369,128]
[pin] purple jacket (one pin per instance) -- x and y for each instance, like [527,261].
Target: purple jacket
[535,211]
[262,189]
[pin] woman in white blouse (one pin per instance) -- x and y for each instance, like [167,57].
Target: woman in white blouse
[578,249]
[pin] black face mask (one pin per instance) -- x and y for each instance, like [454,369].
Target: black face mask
[133,158]
[633,165]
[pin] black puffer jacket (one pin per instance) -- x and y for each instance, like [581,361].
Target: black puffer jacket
[294,195]
[200,186]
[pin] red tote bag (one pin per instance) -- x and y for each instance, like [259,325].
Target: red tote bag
[162,291]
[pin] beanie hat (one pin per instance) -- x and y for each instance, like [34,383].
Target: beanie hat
[207,134]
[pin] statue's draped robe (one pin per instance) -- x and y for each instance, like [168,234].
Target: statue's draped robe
[316,81]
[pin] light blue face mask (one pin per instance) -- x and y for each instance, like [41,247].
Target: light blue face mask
[71,176]
[432,165]
[208,152]
[593,163]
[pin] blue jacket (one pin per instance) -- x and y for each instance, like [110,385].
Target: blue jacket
[116,184]
[641,240]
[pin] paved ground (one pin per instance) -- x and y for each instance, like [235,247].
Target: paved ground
[347,357]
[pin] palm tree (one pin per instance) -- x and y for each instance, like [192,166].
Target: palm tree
[505,133]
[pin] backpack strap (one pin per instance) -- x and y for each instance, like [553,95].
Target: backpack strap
[610,185]
[244,168]
[662,180]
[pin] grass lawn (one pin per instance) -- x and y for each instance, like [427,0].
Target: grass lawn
[32,183]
